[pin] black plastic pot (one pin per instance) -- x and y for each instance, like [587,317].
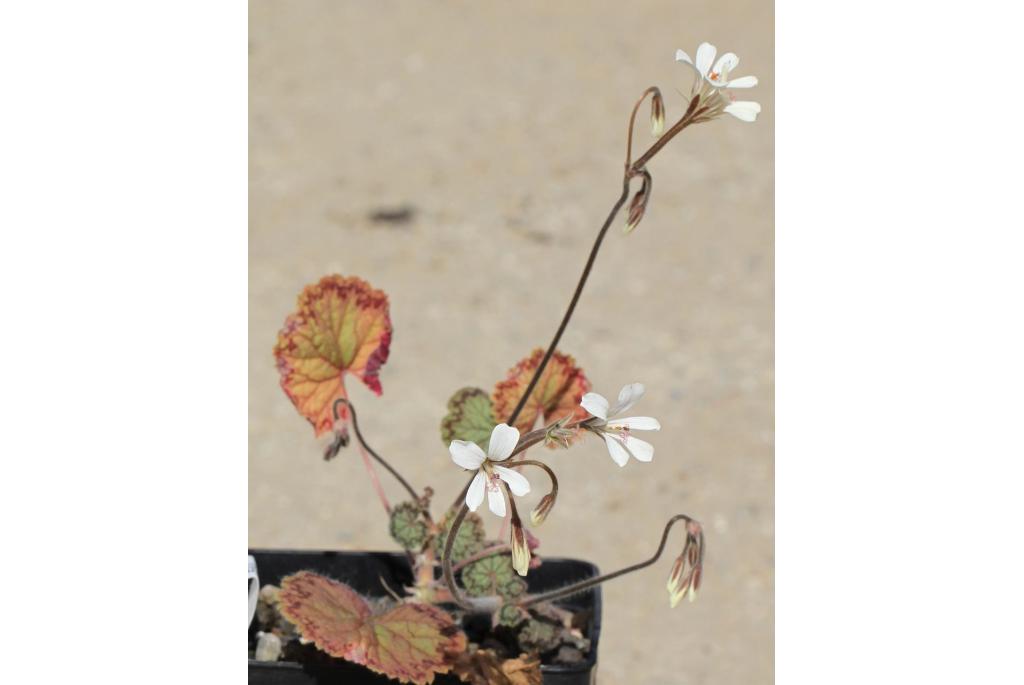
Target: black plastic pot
[363,571]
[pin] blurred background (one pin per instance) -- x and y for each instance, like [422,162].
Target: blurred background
[461,157]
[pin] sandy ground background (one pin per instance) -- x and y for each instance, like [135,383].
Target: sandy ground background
[502,126]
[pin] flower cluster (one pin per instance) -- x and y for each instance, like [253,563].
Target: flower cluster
[684,580]
[713,78]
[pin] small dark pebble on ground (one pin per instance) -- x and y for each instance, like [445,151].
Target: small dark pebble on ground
[397,216]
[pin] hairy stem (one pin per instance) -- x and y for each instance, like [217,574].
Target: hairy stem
[597,580]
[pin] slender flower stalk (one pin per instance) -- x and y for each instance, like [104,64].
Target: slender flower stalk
[708,101]
[589,583]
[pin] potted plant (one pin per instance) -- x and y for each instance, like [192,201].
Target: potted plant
[457,604]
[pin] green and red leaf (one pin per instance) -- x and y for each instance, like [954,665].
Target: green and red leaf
[341,326]
[410,642]
[556,395]
[469,417]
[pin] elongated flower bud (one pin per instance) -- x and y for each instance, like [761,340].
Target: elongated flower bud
[684,578]
[520,547]
[638,205]
[541,511]
[657,114]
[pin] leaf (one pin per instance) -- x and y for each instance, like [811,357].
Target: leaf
[493,575]
[408,527]
[410,642]
[523,671]
[469,417]
[468,541]
[556,395]
[539,636]
[510,615]
[341,326]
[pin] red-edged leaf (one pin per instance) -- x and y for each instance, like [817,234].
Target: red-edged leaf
[341,326]
[556,395]
[410,642]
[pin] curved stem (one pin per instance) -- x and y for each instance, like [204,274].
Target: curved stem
[632,122]
[546,468]
[374,480]
[597,580]
[446,559]
[572,303]
[359,436]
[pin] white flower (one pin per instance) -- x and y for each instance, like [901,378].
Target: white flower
[717,77]
[617,433]
[469,456]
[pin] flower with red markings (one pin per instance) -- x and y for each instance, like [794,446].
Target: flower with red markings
[618,433]
[489,474]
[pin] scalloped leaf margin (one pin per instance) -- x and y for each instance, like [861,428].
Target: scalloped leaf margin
[556,395]
[341,326]
[470,417]
[410,642]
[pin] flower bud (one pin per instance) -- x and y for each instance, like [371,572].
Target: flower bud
[657,114]
[558,435]
[684,578]
[638,205]
[543,508]
[520,548]
[340,440]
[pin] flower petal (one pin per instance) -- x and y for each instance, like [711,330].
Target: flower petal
[619,454]
[475,494]
[504,439]
[517,482]
[628,396]
[596,404]
[683,57]
[496,501]
[725,64]
[640,449]
[705,56]
[636,423]
[742,82]
[744,110]
[468,455]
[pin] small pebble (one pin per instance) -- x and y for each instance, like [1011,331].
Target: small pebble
[268,647]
